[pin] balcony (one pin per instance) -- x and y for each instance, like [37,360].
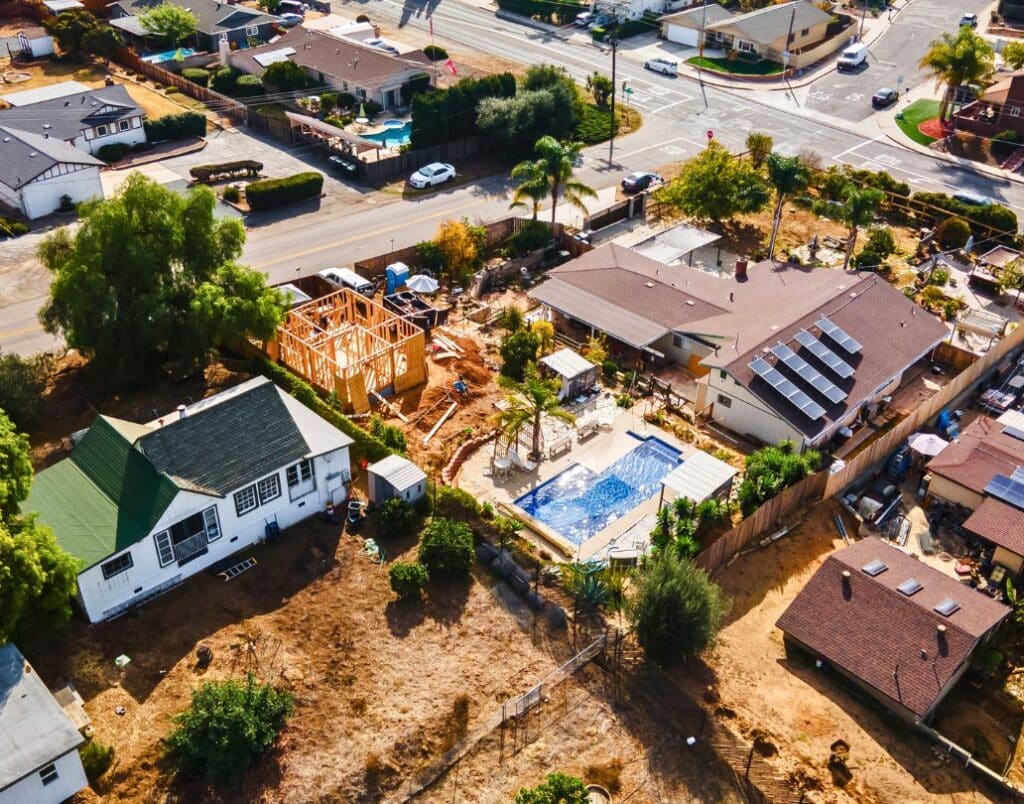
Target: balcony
[187,549]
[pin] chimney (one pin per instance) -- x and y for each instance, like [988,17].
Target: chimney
[846,575]
[941,629]
[741,269]
[181,412]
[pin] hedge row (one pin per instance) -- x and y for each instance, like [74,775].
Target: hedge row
[175,127]
[366,446]
[997,216]
[627,28]
[543,8]
[272,193]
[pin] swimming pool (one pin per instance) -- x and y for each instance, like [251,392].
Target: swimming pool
[168,55]
[578,503]
[397,133]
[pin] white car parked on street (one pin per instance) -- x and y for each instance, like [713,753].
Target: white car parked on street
[663,66]
[434,173]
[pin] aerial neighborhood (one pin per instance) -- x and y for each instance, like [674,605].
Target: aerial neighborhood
[530,401]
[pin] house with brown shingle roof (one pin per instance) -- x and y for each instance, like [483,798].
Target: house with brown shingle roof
[891,625]
[783,351]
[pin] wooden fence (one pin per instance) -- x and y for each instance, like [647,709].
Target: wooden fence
[400,165]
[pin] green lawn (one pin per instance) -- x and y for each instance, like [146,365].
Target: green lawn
[916,113]
[737,66]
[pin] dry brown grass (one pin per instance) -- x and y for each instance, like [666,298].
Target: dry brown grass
[607,774]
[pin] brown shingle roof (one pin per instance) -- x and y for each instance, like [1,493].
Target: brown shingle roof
[1000,523]
[981,452]
[884,638]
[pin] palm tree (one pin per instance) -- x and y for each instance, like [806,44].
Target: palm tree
[787,175]
[532,185]
[528,402]
[858,209]
[955,60]
[558,160]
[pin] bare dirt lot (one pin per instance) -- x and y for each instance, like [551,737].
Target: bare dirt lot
[802,712]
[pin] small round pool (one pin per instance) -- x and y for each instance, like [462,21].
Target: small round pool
[393,124]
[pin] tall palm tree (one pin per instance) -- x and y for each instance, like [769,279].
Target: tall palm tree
[558,160]
[787,175]
[859,208]
[528,402]
[532,185]
[957,59]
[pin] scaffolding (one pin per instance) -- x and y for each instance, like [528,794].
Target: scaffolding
[347,344]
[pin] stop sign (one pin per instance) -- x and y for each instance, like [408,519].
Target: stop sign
[711,134]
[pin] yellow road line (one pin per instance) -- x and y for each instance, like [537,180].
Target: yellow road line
[25,330]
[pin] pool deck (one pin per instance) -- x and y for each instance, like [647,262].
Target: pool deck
[596,453]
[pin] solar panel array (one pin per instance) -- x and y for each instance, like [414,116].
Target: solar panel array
[771,375]
[1008,489]
[805,371]
[824,354]
[838,335]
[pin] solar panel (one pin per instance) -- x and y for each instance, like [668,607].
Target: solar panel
[771,375]
[1013,432]
[1007,489]
[805,371]
[824,354]
[838,335]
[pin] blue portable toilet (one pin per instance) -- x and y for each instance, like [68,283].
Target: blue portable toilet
[397,273]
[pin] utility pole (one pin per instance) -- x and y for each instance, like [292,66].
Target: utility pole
[789,38]
[700,52]
[615,47]
[863,14]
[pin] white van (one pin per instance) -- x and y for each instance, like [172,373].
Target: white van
[853,57]
[347,278]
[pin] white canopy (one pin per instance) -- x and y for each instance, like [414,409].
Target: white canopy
[421,283]
[927,443]
[698,477]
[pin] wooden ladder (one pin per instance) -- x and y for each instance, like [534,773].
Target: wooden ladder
[238,569]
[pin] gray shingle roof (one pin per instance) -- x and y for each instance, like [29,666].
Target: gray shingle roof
[765,25]
[34,730]
[694,17]
[24,156]
[212,17]
[67,117]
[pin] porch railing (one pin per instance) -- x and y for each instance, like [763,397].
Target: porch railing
[190,547]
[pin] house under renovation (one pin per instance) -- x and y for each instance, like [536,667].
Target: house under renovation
[349,345]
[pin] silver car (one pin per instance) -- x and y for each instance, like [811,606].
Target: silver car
[663,66]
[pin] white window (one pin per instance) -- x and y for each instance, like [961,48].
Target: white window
[124,125]
[101,131]
[164,548]
[724,401]
[116,566]
[1014,111]
[269,488]
[245,500]
[48,774]
[252,30]
[211,524]
[299,473]
[748,47]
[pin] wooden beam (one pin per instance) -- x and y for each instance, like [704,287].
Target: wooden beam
[440,421]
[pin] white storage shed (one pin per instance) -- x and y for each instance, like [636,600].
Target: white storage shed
[576,372]
[395,476]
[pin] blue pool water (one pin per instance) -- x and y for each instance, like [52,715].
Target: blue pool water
[398,133]
[578,503]
[168,55]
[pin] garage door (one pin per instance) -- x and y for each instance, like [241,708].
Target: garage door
[681,35]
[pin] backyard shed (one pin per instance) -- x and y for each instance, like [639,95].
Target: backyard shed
[395,476]
[699,477]
[576,372]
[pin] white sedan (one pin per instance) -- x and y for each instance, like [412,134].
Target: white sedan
[434,173]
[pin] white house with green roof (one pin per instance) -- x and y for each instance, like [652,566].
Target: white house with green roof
[144,506]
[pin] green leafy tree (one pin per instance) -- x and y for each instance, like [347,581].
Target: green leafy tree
[953,232]
[518,350]
[557,788]
[880,246]
[528,403]
[770,470]
[15,468]
[284,76]
[759,146]
[391,436]
[676,611]
[957,59]
[173,24]
[407,579]
[787,175]
[532,185]
[545,332]
[859,208]
[446,548]
[558,159]
[78,32]
[460,249]
[715,186]
[21,383]
[228,727]
[601,87]
[1013,54]
[396,517]
[510,318]
[149,280]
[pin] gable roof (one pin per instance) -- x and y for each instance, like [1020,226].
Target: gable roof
[694,17]
[212,17]
[59,90]
[981,452]
[121,477]
[25,156]
[888,640]
[765,25]
[34,731]
[398,471]
[1000,523]
[346,59]
[66,116]
[1010,88]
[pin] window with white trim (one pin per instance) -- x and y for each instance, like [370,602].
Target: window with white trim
[299,473]
[116,566]
[245,500]
[210,524]
[252,30]
[124,125]
[724,401]
[102,131]
[48,774]
[164,548]
[1014,111]
[269,488]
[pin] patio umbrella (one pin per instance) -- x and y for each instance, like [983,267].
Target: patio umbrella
[927,444]
[362,118]
[179,55]
[421,283]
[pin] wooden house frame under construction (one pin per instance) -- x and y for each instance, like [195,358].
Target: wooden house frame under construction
[348,344]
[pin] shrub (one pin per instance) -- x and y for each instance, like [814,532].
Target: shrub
[248,85]
[595,125]
[953,233]
[96,759]
[172,90]
[114,152]
[557,788]
[446,548]
[396,517]
[510,318]
[284,76]
[939,277]
[175,127]
[518,350]
[232,194]
[407,579]
[1004,144]
[435,53]
[224,79]
[532,236]
[771,469]
[880,246]
[609,368]
[346,100]
[196,75]
[21,383]
[995,215]
[9,228]
[228,726]
[451,501]
[273,193]
[676,610]
[392,436]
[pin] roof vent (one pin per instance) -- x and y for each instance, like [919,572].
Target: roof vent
[7,139]
[33,155]
[910,586]
[47,125]
[648,284]
[876,567]
[947,607]
[690,302]
[181,412]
